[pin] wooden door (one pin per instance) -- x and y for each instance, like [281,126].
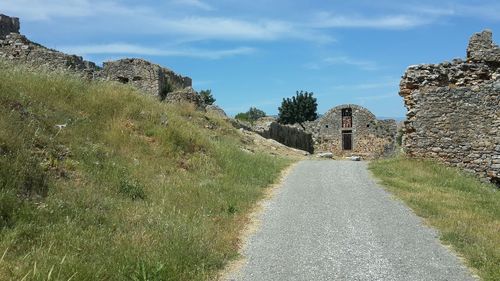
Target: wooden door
[347,140]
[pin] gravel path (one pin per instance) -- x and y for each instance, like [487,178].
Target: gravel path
[331,221]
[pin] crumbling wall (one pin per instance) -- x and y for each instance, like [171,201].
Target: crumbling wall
[147,76]
[454,109]
[371,138]
[289,136]
[8,25]
[17,48]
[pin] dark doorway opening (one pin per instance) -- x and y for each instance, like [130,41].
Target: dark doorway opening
[347,140]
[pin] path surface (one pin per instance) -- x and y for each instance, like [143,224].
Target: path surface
[331,221]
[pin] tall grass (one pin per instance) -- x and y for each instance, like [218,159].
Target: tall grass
[128,188]
[465,211]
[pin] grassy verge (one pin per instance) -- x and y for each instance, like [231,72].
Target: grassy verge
[464,210]
[126,189]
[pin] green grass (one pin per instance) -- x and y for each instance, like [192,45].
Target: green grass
[129,189]
[465,211]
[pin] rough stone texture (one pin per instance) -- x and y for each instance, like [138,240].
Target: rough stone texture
[151,78]
[287,135]
[148,77]
[216,110]
[186,95]
[8,25]
[17,48]
[454,110]
[371,138]
[482,49]
[290,136]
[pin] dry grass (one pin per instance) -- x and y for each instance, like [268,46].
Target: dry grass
[130,188]
[464,210]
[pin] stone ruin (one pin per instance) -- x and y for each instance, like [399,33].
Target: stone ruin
[150,78]
[350,129]
[288,135]
[454,110]
[8,25]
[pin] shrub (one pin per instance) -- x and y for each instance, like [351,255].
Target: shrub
[207,97]
[298,109]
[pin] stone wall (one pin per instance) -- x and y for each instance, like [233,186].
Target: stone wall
[287,135]
[454,110]
[17,48]
[8,25]
[371,138]
[151,78]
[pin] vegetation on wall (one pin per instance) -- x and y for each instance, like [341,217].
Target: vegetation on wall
[298,109]
[206,97]
[99,182]
[252,115]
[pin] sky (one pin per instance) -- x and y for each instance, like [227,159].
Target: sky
[255,53]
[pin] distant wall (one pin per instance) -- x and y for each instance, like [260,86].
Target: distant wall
[289,136]
[151,78]
[147,76]
[8,25]
[454,110]
[371,138]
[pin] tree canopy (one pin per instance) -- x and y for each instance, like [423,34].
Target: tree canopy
[298,109]
[207,97]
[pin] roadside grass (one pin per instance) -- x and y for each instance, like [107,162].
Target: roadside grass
[465,211]
[128,188]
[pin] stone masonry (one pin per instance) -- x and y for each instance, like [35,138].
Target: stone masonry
[8,25]
[454,110]
[350,129]
[150,78]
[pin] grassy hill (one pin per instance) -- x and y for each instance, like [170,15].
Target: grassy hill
[125,188]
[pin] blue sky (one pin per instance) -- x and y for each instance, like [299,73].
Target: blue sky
[254,53]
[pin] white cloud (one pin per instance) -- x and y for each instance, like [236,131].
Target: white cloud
[343,60]
[131,49]
[328,20]
[195,3]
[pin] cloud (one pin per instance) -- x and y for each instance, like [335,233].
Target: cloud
[328,20]
[196,4]
[131,49]
[343,60]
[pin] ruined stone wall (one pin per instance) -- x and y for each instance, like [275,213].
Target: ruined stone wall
[149,77]
[289,136]
[17,48]
[454,110]
[371,138]
[8,25]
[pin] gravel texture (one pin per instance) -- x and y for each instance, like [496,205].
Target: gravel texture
[331,221]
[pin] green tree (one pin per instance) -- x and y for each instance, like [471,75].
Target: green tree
[298,109]
[207,97]
[251,115]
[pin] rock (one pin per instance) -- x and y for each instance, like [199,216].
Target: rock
[216,110]
[327,155]
[355,158]
[186,95]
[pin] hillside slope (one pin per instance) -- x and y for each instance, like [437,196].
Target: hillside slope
[98,182]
